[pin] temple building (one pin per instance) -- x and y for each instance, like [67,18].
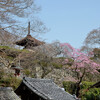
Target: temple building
[28,42]
[41,89]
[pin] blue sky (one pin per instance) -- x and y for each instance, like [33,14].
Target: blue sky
[69,20]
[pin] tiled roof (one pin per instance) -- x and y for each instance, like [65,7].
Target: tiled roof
[47,89]
[6,93]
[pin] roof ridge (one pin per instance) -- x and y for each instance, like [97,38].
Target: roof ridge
[5,88]
[38,79]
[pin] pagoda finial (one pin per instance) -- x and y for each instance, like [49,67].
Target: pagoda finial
[28,28]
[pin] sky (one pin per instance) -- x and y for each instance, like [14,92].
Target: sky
[69,21]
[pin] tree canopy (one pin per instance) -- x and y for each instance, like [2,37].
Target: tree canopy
[12,13]
[82,65]
[93,38]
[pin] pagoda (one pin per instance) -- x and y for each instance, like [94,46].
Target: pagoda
[28,42]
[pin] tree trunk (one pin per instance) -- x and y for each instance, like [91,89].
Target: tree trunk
[77,89]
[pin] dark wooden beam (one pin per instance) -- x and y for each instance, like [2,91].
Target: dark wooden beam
[96,85]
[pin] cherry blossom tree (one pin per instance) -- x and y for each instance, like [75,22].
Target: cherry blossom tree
[82,65]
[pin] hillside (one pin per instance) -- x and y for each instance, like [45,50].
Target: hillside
[35,65]
[38,65]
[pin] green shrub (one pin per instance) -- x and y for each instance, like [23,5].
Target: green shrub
[24,50]
[27,72]
[69,86]
[92,94]
[10,58]
[43,64]
[86,84]
[56,65]
[4,47]
[5,82]
[15,82]
[2,73]
[10,81]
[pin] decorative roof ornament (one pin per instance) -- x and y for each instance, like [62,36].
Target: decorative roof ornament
[28,28]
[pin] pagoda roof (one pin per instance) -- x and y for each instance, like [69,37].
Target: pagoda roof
[29,41]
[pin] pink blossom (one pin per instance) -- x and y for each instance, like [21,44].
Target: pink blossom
[82,62]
